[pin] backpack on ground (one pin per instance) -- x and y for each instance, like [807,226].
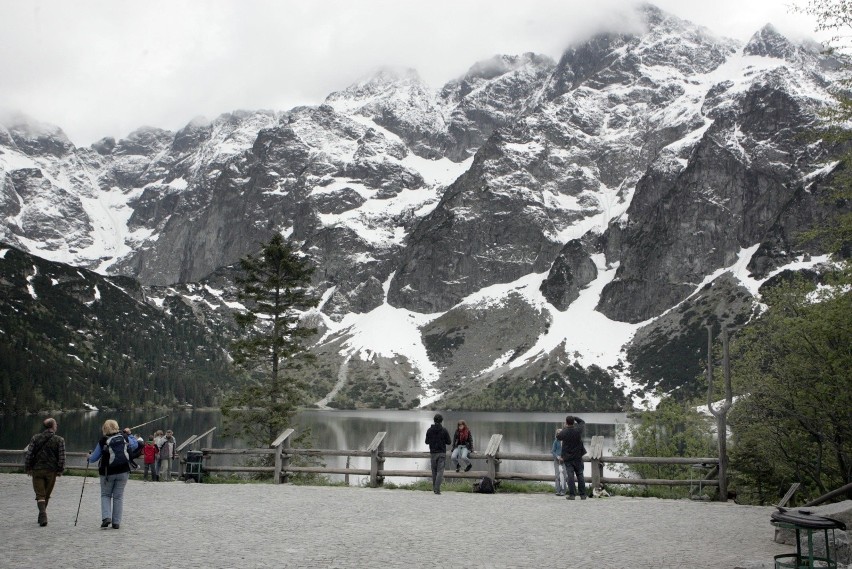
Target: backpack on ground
[116,448]
[484,486]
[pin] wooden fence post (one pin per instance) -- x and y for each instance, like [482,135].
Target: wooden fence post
[346,476]
[281,461]
[491,459]
[377,462]
[596,454]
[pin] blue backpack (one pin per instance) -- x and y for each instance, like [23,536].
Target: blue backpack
[116,450]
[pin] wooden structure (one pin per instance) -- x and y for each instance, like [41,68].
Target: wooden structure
[494,459]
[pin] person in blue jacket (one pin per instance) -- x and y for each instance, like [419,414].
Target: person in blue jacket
[113,456]
[556,451]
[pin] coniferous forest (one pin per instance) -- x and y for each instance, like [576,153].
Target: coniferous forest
[70,337]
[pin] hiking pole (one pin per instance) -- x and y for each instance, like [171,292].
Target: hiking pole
[85,474]
[149,422]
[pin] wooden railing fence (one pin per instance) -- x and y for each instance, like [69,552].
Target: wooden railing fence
[704,470]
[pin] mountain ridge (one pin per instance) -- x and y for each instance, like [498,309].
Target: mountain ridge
[616,178]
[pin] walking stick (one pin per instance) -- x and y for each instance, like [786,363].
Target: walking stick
[85,474]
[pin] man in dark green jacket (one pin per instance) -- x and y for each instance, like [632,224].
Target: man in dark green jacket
[45,462]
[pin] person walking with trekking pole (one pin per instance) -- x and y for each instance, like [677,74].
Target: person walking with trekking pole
[113,456]
[45,462]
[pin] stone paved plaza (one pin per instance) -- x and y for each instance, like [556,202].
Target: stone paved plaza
[263,525]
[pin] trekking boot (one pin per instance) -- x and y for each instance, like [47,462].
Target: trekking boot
[42,513]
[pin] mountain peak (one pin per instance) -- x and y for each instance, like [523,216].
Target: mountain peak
[502,64]
[34,137]
[382,80]
[144,141]
[769,42]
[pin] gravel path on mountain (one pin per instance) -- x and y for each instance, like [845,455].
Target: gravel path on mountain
[263,525]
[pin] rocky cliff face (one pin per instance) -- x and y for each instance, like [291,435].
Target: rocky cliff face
[524,218]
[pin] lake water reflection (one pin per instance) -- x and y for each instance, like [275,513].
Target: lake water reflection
[406,430]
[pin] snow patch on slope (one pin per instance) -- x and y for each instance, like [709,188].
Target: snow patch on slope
[388,331]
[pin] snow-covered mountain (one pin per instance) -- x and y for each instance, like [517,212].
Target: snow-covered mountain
[523,224]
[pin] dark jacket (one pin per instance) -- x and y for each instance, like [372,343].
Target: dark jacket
[46,451]
[438,437]
[468,443]
[101,454]
[572,440]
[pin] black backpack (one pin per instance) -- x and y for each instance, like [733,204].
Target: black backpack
[116,451]
[484,486]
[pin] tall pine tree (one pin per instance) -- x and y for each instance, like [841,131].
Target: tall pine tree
[274,288]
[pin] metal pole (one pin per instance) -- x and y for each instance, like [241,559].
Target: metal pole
[85,475]
[148,423]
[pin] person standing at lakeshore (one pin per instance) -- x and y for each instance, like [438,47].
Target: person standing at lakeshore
[168,452]
[45,462]
[159,435]
[438,437]
[572,455]
[113,456]
[150,452]
[462,446]
[556,451]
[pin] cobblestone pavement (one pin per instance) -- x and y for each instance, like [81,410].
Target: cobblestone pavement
[263,525]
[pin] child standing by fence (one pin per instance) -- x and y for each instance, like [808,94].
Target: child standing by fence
[150,451]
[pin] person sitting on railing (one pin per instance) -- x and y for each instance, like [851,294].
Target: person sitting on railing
[462,446]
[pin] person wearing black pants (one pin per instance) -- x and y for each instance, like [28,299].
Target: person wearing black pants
[572,455]
[438,437]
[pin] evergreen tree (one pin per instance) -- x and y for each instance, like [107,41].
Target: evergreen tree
[673,429]
[794,420]
[274,288]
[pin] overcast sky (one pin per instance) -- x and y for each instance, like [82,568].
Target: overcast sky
[104,68]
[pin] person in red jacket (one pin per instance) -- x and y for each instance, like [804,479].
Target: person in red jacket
[150,452]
